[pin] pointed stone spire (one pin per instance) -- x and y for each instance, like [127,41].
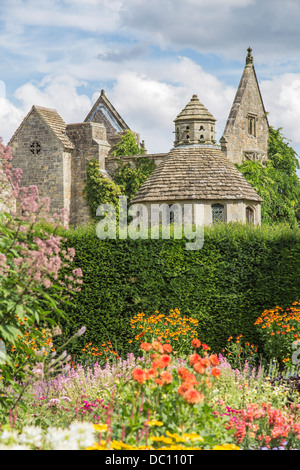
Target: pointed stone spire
[247,130]
[194,125]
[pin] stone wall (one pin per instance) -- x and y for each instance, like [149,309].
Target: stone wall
[235,210]
[112,163]
[45,169]
[90,142]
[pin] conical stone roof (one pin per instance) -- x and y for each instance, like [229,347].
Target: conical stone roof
[195,173]
[195,110]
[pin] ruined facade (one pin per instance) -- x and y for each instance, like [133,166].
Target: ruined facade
[53,155]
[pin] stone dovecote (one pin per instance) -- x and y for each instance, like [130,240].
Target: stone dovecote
[194,125]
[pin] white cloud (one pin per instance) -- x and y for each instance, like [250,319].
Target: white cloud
[281,96]
[87,15]
[149,106]
[58,92]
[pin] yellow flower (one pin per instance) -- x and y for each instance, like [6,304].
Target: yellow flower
[226,447]
[100,427]
[154,423]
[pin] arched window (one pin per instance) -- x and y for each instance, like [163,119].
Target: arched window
[201,128]
[218,213]
[250,214]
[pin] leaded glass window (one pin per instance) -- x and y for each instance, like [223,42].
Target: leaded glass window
[35,147]
[218,213]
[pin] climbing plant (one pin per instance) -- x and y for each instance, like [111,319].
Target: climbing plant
[100,189]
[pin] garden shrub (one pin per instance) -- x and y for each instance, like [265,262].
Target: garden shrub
[240,271]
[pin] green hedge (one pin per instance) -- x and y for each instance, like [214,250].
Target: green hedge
[240,271]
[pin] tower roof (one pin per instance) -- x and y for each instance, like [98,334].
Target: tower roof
[195,110]
[195,173]
[249,75]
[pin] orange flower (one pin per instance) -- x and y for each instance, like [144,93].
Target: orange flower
[139,375]
[167,348]
[165,360]
[157,346]
[156,364]
[193,396]
[159,382]
[151,373]
[184,374]
[215,372]
[161,362]
[166,377]
[199,367]
[188,385]
[145,346]
[196,343]
[214,360]
[194,358]
[205,347]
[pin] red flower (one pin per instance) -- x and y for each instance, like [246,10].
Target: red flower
[215,372]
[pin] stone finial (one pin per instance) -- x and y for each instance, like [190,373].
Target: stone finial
[102,92]
[249,58]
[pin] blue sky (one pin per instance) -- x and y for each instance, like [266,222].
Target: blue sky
[150,57]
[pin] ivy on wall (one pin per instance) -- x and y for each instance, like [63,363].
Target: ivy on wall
[100,189]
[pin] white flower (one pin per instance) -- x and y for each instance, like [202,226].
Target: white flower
[9,436]
[60,439]
[32,436]
[14,447]
[84,434]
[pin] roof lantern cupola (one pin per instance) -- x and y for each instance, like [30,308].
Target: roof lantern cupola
[195,125]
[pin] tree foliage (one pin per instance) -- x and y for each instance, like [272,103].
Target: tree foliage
[277,182]
[130,179]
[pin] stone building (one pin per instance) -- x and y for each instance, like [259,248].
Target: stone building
[197,173]
[53,155]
